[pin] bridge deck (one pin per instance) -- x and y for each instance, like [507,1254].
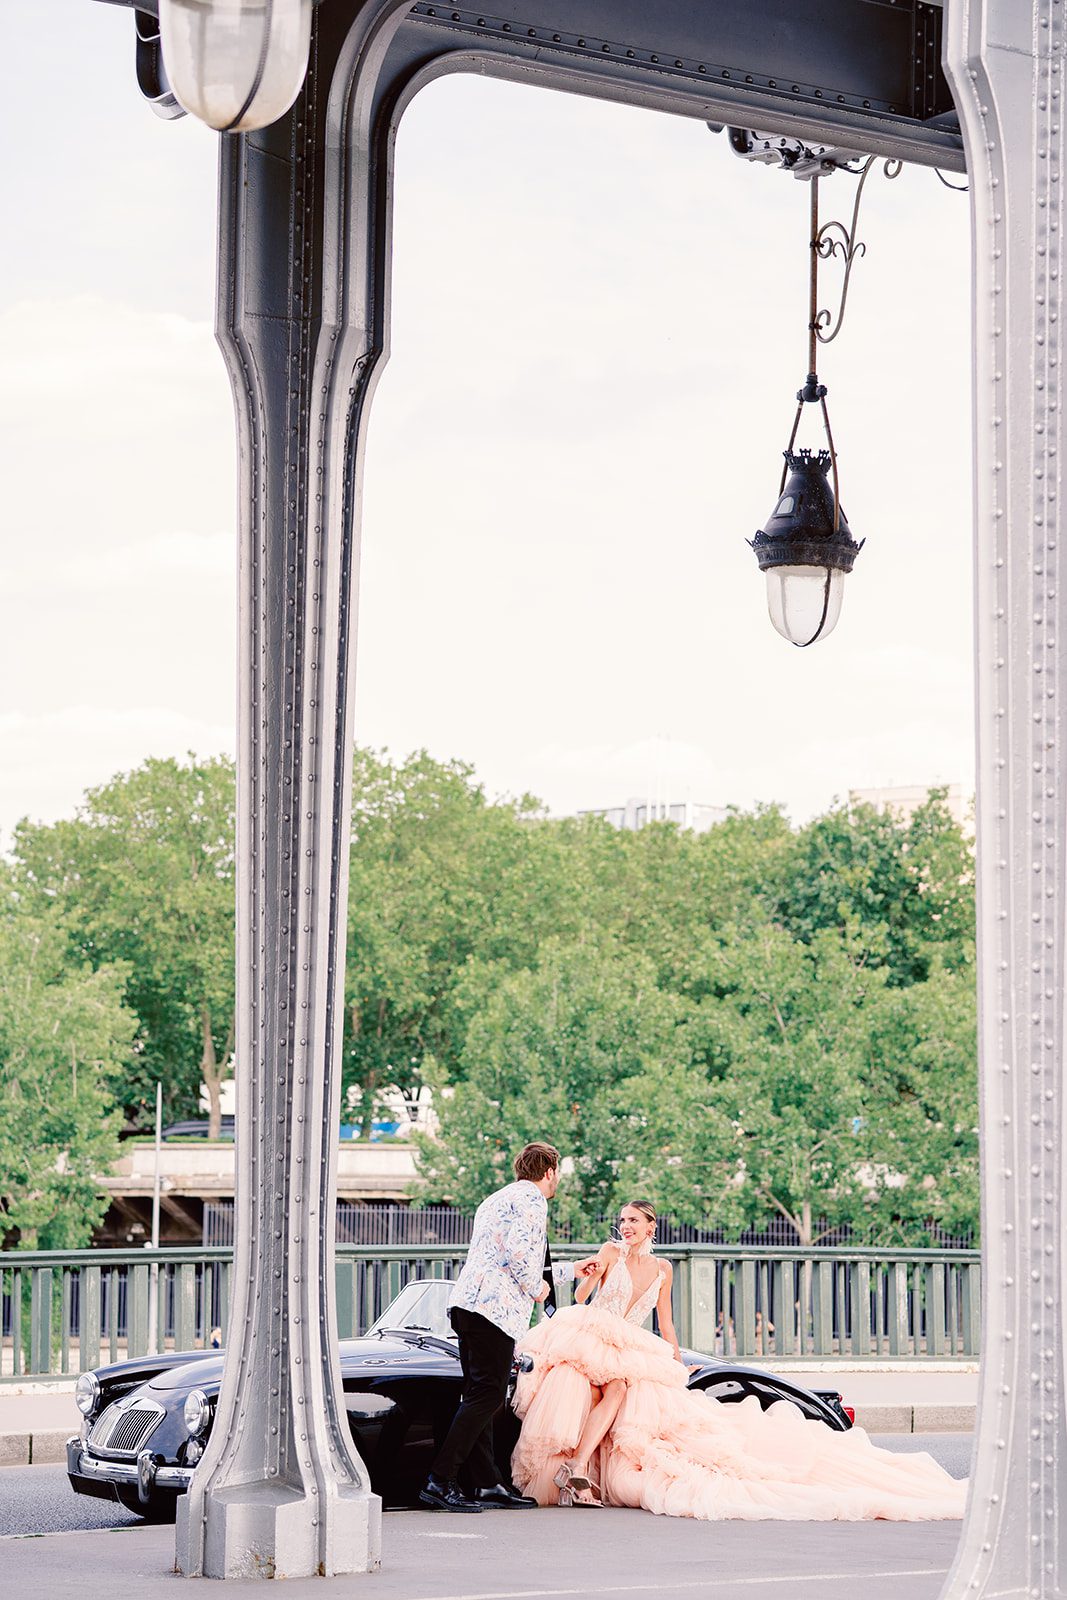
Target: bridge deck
[539,1555]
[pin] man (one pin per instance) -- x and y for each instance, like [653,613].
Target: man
[490,1307]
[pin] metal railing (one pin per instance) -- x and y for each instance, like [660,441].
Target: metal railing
[65,1312]
[413,1226]
[365,1223]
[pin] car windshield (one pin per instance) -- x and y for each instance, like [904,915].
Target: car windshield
[421,1307]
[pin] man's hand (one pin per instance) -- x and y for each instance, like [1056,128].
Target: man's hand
[542,1293]
[586,1268]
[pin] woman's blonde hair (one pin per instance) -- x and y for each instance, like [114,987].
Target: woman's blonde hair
[646,1208]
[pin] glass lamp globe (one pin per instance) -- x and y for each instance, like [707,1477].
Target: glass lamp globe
[804,602]
[235,64]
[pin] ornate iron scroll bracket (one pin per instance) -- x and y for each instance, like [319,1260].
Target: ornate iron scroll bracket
[833,240]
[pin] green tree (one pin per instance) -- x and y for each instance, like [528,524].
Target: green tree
[439,877]
[852,1100]
[583,1050]
[755,1018]
[65,1036]
[144,875]
[907,886]
[928,1134]
[803,1042]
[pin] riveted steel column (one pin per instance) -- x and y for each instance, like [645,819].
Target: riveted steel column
[280,1491]
[1005,61]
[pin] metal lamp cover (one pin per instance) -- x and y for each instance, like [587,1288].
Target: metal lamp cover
[800,531]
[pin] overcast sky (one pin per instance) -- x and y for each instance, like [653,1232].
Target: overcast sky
[599,327]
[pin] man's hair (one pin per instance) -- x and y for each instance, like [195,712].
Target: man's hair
[535,1160]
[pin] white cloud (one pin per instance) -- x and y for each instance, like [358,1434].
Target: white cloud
[51,759]
[114,422]
[127,569]
[95,358]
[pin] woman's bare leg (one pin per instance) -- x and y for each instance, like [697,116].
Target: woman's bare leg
[597,1424]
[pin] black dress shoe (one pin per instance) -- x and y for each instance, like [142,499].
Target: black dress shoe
[446,1496]
[507,1499]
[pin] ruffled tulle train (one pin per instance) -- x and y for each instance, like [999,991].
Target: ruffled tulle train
[679,1453]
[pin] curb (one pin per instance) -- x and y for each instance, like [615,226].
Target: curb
[48,1447]
[15,1388]
[916,1419]
[911,1366]
[45,1448]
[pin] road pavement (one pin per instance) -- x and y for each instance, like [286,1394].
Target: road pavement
[35,1500]
[38,1500]
[537,1556]
[510,1555]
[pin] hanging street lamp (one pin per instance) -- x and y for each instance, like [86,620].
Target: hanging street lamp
[806,547]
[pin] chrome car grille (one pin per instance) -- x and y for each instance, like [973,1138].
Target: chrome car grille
[124,1428]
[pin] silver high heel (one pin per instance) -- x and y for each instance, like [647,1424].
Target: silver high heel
[576,1489]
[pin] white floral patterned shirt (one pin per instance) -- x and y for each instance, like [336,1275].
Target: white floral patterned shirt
[505,1263]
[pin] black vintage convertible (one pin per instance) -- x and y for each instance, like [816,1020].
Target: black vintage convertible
[146,1421]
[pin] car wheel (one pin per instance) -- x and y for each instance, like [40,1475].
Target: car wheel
[160,1507]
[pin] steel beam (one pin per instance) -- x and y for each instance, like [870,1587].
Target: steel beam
[280,1492]
[303,323]
[864,74]
[1005,59]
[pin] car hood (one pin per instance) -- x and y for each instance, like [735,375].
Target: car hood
[391,1349]
[203,1374]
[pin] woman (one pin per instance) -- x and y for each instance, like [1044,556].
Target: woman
[608,1420]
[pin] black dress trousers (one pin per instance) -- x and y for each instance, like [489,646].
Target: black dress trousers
[485,1353]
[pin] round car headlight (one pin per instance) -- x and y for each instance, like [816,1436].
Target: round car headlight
[196,1412]
[87,1393]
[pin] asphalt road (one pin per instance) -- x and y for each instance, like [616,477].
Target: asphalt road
[40,1500]
[36,1500]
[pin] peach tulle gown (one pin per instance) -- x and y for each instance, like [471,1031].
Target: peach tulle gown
[680,1453]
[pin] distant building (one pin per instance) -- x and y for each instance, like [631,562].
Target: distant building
[905,800]
[689,814]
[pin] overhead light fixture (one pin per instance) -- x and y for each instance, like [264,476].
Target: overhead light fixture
[236,64]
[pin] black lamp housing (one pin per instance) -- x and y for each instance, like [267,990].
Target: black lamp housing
[803,530]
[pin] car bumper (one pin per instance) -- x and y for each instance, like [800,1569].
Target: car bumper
[147,1474]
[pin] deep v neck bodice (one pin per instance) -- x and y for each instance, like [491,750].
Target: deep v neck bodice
[617,1290]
